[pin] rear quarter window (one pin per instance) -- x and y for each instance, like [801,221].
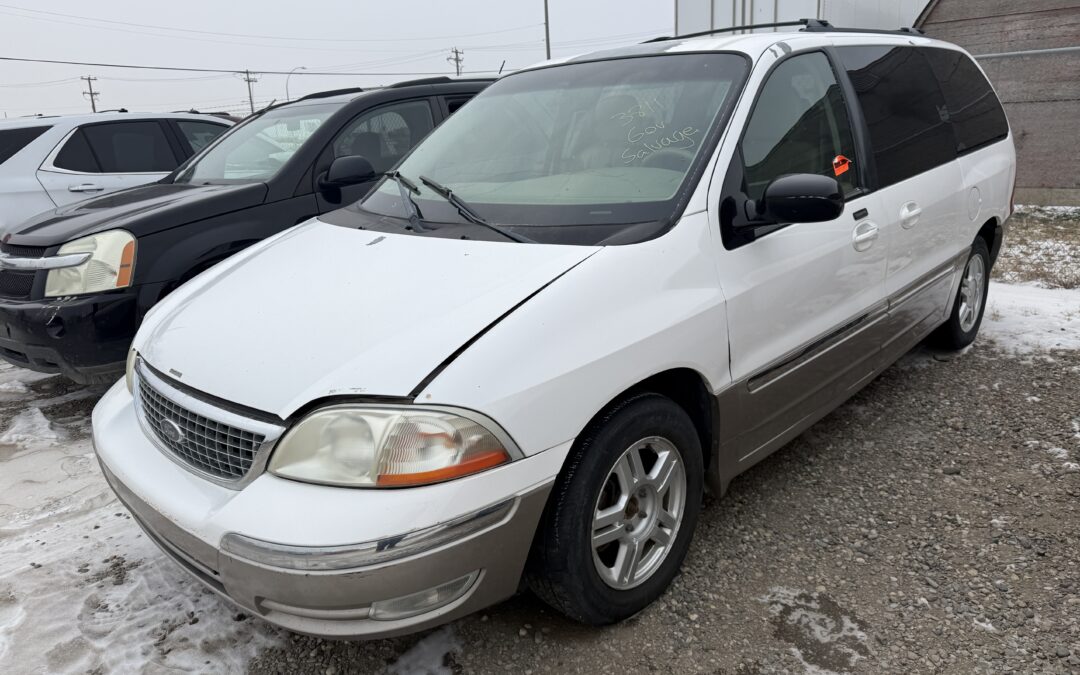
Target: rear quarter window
[14,140]
[974,111]
[905,111]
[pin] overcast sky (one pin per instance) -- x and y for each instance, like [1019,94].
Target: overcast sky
[392,37]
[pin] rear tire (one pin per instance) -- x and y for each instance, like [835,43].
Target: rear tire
[963,323]
[620,518]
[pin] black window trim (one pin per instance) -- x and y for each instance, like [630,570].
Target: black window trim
[325,157]
[49,164]
[859,132]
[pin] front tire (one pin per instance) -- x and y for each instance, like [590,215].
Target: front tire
[963,323]
[622,513]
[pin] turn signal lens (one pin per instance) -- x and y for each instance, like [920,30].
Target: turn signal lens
[362,446]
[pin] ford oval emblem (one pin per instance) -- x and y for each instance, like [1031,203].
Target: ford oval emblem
[172,431]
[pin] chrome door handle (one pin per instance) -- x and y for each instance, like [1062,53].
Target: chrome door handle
[85,187]
[909,215]
[863,236]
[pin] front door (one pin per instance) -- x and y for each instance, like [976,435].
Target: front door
[804,300]
[383,135]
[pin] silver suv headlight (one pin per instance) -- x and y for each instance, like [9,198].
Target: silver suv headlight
[389,446]
[111,265]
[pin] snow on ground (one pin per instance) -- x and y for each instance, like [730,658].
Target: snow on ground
[1023,319]
[81,587]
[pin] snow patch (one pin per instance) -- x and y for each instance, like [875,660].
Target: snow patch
[427,657]
[824,639]
[1024,319]
[1058,453]
[30,427]
[13,387]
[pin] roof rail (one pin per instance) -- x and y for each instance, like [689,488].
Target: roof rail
[826,27]
[441,79]
[327,94]
[808,25]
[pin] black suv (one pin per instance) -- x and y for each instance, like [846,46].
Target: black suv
[76,282]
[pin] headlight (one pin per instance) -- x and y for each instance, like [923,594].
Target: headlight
[111,265]
[129,370]
[376,446]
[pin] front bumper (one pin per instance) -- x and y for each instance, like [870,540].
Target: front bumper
[84,337]
[187,516]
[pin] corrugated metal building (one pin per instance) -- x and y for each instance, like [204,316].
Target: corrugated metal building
[1030,50]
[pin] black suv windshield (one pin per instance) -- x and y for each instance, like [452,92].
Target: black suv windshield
[257,149]
[572,153]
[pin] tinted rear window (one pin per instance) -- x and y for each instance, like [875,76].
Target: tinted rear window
[131,147]
[76,155]
[974,111]
[14,140]
[904,109]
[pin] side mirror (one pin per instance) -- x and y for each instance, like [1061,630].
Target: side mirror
[345,171]
[803,198]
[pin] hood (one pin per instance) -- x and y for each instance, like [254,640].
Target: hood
[140,210]
[324,310]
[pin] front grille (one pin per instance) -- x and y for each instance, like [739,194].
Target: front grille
[17,251]
[16,285]
[220,450]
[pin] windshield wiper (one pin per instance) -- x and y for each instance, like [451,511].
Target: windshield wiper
[407,188]
[468,214]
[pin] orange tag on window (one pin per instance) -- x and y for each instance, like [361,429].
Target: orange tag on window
[840,164]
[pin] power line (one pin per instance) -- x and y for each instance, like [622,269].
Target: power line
[264,37]
[91,94]
[223,70]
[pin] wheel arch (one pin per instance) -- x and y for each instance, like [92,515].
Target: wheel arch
[690,391]
[992,233]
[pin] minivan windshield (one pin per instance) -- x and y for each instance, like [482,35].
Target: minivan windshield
[256,150]
[573,153]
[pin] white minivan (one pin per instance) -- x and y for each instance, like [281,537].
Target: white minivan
[605,285]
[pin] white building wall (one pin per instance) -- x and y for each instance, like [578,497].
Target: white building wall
[692,16]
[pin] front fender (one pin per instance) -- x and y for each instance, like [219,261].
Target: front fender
[623,315]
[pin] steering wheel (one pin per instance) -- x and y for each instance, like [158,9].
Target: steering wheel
[676,159]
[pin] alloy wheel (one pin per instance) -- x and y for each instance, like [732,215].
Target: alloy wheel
[638,512]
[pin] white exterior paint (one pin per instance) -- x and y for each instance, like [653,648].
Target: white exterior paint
[322,310]
[29,185]
[692,16]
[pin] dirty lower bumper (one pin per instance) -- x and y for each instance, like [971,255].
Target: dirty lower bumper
[338,604]
[84,337]
[189,518]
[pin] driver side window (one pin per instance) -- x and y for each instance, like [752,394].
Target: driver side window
[385,134]
[799,125]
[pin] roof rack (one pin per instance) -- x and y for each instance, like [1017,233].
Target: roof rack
[808,25]
[441,79]
[327,94]
[822,26]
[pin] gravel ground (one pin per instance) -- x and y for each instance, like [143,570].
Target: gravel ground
[928,525]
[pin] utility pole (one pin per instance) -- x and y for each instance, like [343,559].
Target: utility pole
[457,57]
[91,94]
[249,78]
[547,31]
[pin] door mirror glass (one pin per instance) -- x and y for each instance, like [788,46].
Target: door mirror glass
[349,170]
[803,198]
